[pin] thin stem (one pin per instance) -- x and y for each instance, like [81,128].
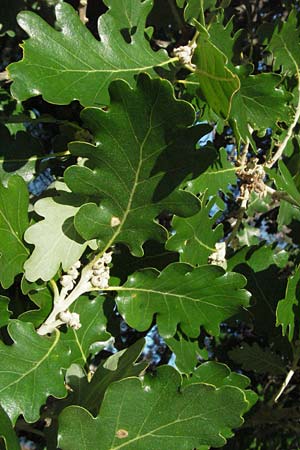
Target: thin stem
[240,217]
[290,374]
[283,144]
[244,152]
[280,195]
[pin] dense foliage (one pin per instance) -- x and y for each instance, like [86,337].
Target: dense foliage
[149,224]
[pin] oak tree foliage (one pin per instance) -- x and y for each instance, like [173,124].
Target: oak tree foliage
[149,224]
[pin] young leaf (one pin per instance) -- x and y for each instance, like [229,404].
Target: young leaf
[285,314]
[7,433]
[167,418]
[13,222]
[30,371]
[181,295]
[137,165]
[216,82]
[55,238]
[84,71]
[258,359]
[195,237]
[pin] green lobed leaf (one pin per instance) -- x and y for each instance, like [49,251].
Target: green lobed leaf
[84,71]
[195,237]
[218,375]
[285,182]
[13,222]
[187,352]
[55,239]
[259,257]
[285,45]
[167,418]
[136,167]
[219,175]
[4,312]
[93,327]
[31,369]
[7,433]
[215,81]
[287,213]
[41,296]
[260,103]
[258,359]
[224,39]
[181,295]
[286,308]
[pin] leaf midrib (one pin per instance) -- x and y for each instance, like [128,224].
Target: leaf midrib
[136,178]
[170,294]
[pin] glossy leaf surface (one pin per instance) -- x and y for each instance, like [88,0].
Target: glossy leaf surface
[83,71]
[25,366]
[181,295]
[167,418]
[219,375]
[136,167]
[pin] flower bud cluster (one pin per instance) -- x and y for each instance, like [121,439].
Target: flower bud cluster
[185,54]
[71,319]
[68,281]
[218,258]
[100,271]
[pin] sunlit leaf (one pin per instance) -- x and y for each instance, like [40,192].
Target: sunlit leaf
[168,418]
[30,370]
[136,167]
[84,71]
[181,295]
